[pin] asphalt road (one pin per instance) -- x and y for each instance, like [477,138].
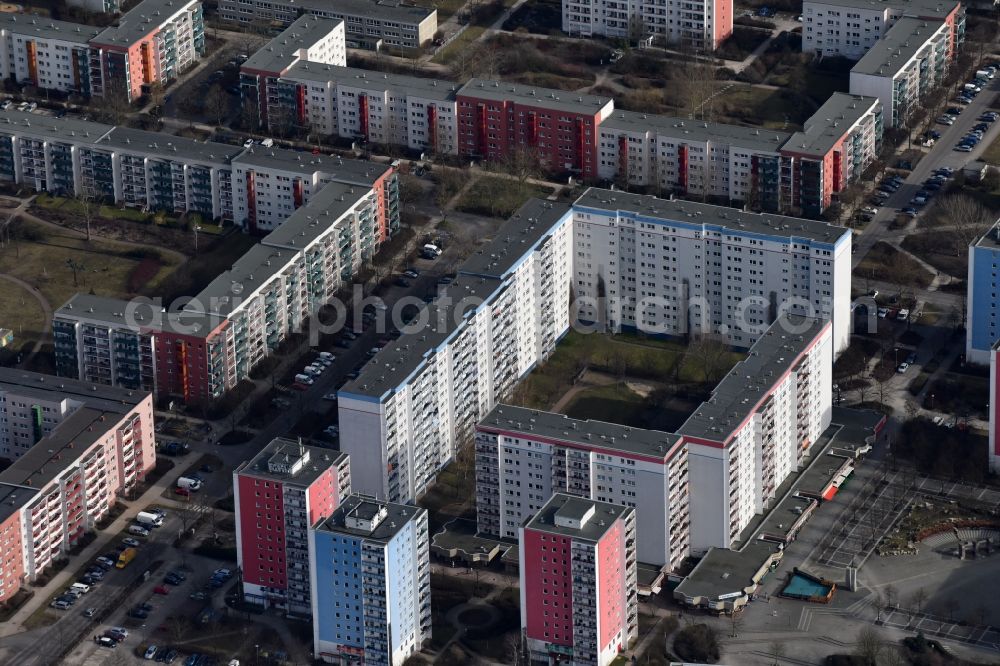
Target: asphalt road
[48,644]
[942,154]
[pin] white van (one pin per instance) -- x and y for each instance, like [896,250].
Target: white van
[149,519]
[972,87]
[984,73]
[82,587]
[267,143]
[304,379]
[312,370]
[430,247]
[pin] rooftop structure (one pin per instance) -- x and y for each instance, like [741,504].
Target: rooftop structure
[96,396]
[369,518]
[828,126]
[699,214]
[291,44]
[586,432]
[365,78]
[753,378]
[547,98]
[898,46]
[754,138]
[46,28]
[576,517]
[291,462]
[140,21]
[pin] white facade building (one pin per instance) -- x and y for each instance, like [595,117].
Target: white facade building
[686,269]
[906,64]
[704,23]
[721,468]
[402,419]
[691,157]
[418,113]
[850,28]
[46,53]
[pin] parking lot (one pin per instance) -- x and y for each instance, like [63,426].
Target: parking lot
[939,627]
[864,522]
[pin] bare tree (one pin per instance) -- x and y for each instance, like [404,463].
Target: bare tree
[891,656]
[736,623]
[710,353]
[967,217]
[868,646]
[217,103]
[981,613]
[87,201]
[878,601]
[952,606]
[918,599]
[695,76]
[777,650]
[890,594]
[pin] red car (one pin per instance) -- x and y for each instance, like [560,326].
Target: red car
[161,589]
[184,492]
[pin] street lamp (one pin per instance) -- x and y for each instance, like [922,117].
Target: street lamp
[196,230]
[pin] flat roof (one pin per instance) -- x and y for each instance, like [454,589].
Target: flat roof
[823,129]
[13,497]
[141,20]
[692,213]
[897,47]
[403,356]
[525,228]
[991,239]
[46,28]
[158,144]
[755,138]
[111,311]
[534,423]
[385,10]
[570,506]
[749,382]
[918,7]
[311,221]
[356,172]
[248,274]
[282,51]
[49,387]
[723,571]
[546,98]
[69,128]
[60,449]
[437,89]
[320,460]
[397,516]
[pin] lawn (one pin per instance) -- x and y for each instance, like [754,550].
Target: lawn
[992,154]
[29,323]
[41,258]
[201,269]
[451,53]
[884,262]
[498,197]
[762,107]
[73,206]
[661,361]
[941,250]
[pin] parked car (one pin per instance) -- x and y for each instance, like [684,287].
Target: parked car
[138,614]
[903,367]
[332,397]
[105,562]
[60,604]
[911,358]
[89,612]
[401,282]
[117,633]
[903,315]
[129,542]
[183,492]
[150,653]
[160,589]
[411,273]
[106,642]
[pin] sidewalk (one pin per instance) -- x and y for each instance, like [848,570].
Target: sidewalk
[104,537]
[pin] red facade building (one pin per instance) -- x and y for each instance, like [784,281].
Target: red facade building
[279,494]
[496,119]
[578,581]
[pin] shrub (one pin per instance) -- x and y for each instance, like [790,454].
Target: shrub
[697,643]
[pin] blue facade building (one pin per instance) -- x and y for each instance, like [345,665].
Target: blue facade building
[369,568]
[982,326]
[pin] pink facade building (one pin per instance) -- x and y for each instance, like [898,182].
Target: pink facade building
[579,600]
[279,494]
[76,447]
